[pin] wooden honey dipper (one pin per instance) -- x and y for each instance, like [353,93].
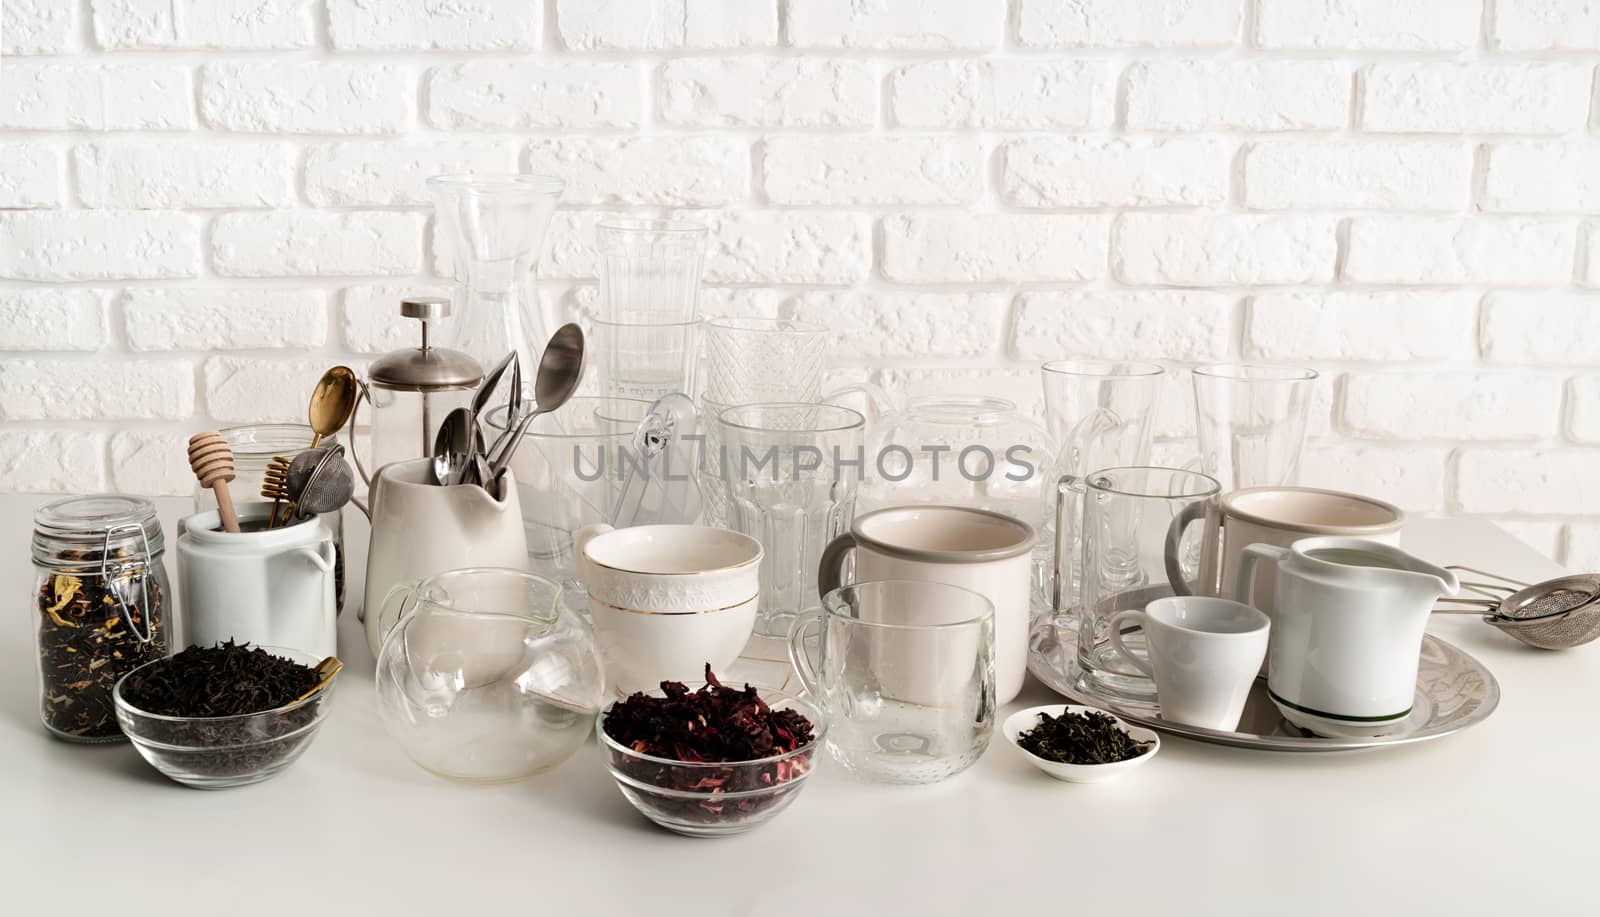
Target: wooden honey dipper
[212,462]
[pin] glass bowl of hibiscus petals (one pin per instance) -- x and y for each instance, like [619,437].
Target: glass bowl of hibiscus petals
[710,760]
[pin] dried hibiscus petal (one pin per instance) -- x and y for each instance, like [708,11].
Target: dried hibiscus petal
[712,725]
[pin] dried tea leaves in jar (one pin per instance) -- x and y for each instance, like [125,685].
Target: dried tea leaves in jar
[1080,738]
[92,631]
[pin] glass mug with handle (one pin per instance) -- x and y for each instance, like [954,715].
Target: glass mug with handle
[904,670]
[1129,520]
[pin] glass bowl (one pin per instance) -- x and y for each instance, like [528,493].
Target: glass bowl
[212,752]
[688,796]
[488,678]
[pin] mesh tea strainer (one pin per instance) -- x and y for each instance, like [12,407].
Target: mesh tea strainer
[1556,614]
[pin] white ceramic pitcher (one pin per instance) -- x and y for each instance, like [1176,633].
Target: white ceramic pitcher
[421,529]
[265,586]
[1347,630]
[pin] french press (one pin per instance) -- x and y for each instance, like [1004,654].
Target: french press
[411,391]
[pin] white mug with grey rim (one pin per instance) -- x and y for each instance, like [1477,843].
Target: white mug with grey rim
[977,549]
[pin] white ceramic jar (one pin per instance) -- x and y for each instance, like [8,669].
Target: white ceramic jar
[667,600]
[270,586]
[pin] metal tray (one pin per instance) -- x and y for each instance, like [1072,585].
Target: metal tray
[1454,691]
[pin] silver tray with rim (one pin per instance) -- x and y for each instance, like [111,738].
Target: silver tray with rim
[1454,691]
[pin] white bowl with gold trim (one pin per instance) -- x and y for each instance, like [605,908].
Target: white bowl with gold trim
[668,600]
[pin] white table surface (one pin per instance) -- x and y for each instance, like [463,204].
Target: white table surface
[1501,819]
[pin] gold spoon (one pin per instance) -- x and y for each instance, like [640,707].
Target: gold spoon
[326,669]
[332,402]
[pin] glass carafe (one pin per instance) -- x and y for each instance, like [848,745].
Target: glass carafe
[494,228]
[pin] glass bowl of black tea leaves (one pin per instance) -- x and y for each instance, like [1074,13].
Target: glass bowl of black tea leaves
[710,760]
[223,716]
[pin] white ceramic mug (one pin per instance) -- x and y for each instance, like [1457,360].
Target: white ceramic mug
[667,600]
[420,529]
[1204,656]
[1272,515]
[268,586]
[986,552]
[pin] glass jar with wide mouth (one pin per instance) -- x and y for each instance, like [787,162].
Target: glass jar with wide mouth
[100,602]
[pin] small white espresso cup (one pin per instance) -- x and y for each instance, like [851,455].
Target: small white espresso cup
[1204,655]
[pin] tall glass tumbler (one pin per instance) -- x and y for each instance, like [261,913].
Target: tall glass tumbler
[790,472]
[1130,548]
[650,269]
[644,361]
[750,361]
[905,671]
[1251,422]
[1101,414]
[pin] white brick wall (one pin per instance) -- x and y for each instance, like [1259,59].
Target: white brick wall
[203,203]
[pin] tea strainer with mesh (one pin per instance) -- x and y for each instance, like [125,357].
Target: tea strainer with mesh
[1556,614]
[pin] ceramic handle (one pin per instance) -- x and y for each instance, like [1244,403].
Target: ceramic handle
[1140,618]
[1244,589]
[830,570]
[798,657]
[321,556]
[1190,514]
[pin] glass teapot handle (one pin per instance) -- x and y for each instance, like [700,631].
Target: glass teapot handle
[408,594]
[876,402]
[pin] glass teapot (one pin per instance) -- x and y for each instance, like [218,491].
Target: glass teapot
[486,677]
[961,450]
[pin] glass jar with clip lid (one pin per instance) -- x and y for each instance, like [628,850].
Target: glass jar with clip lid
[412,390]
[100,595]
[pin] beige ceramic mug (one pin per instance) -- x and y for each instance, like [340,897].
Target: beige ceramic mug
[1276,516]
[979,550]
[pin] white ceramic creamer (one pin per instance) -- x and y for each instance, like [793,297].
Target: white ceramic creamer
[273,587]
[421,529]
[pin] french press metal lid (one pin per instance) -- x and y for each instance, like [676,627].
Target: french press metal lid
[425,368]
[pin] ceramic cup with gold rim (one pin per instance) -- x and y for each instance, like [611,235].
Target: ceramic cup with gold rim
[666,600]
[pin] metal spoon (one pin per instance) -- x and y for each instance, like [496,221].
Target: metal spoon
[480,400]
[560,368]
[332,402]
[452,447]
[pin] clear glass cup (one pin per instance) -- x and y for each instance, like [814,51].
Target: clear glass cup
[904,671]
[254,447]
[1131,546]
[750,361]
[790,472]
[493,227]
[644,361]
[1251,422]
[569,472]
[487,678]
[650,269]
[1101,414]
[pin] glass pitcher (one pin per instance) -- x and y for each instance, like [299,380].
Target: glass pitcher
[487,678]
[493,227]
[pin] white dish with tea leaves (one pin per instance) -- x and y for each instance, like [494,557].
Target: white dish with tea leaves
[1024,720]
